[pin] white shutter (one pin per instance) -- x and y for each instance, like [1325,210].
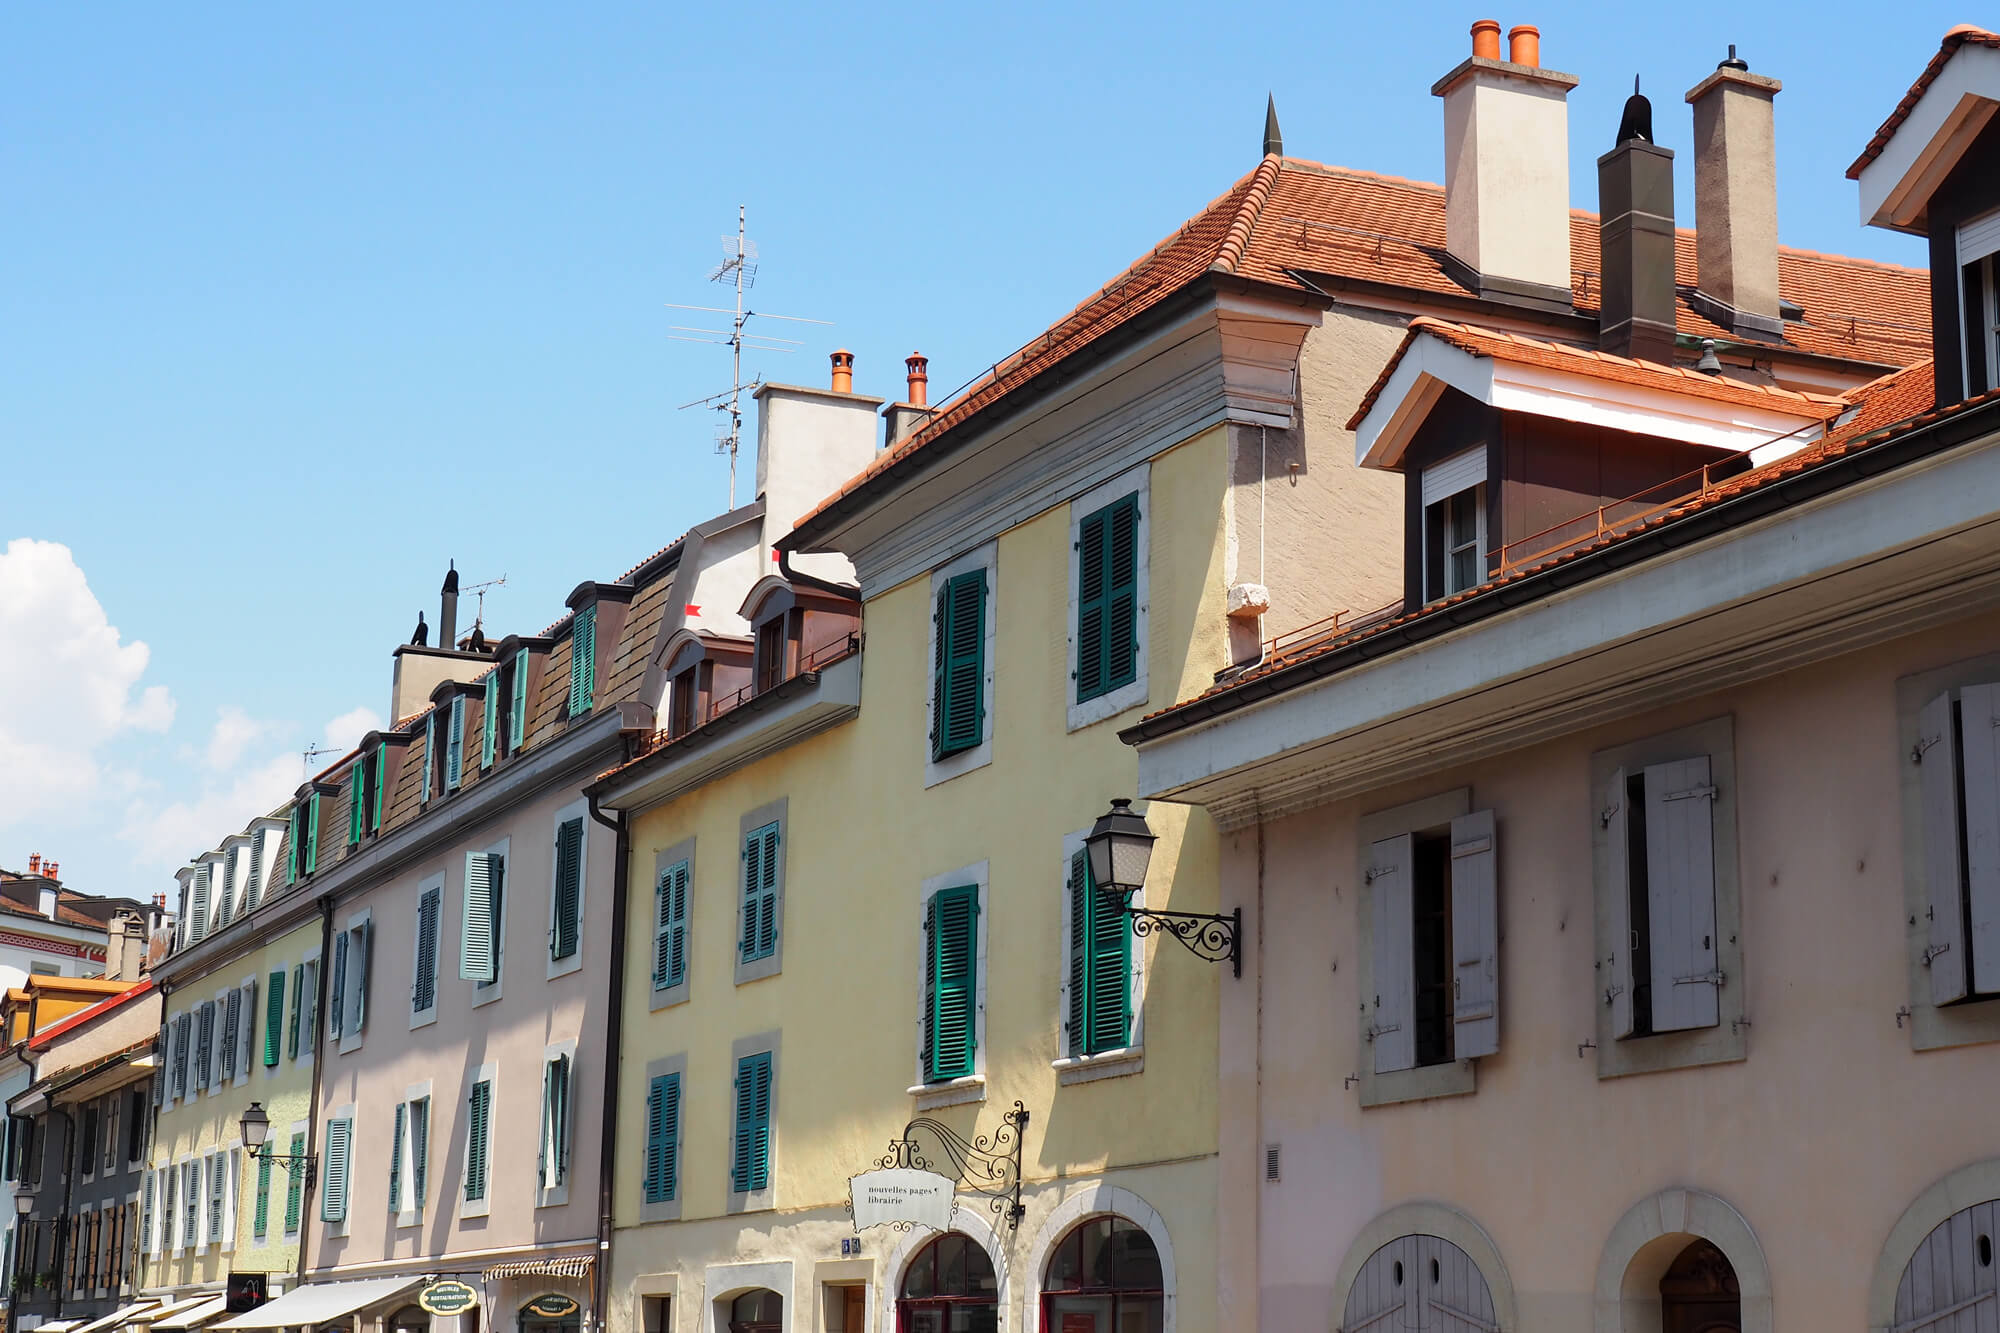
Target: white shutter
[232,1186]
[1978,238]
[1393,1022]
[198,906]
[1616,904]
[1475,936]
[1680,895]
[475,959]
[1946,1288]
[1944,871]
[1979,723]
[1450,476]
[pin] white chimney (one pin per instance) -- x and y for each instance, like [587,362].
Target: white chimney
[1506,169]
[1736,199]
[810,443]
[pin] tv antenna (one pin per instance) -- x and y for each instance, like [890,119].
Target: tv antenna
[738,267]
[313,752]
[479,616]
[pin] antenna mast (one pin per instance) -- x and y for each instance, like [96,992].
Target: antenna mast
[738,267]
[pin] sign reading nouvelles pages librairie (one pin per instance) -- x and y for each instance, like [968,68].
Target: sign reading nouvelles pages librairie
[898,1194]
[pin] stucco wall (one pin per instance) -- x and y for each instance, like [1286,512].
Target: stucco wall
[1820,1139]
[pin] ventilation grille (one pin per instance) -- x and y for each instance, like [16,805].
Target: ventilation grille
[1271,1164]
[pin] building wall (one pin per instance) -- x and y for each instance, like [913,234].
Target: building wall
[1820,1139]
[863,834]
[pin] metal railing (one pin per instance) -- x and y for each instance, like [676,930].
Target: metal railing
[834,650]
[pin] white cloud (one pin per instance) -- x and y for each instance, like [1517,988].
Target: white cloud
[345,732]
[234,732]
[67,682]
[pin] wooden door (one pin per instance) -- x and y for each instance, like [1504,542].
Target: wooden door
[1950,1283]
[1421,1283]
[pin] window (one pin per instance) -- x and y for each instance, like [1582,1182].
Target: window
[295,1185]
[111,1143]
[274,1017]
[357,801]
[759,942]
[454,746]
[409,1154]
[583,661]
[670,926]
[1107,609]
[958,676]
[1106,1274]
[552,1165]
[663,1138]
[950,1284]
[750,1141]
[135,1126]
[479,1128]
[1454,500]
[479,940]
[951,982]
[364,813]
[683,703]
[1979,269]
[305,837]
[566,899]
[757,1312]
[334,1164]
[1100,966]
[770,653]
[352,952]
[87,1140]
[423,987]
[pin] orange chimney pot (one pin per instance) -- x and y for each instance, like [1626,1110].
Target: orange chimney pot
[34,863]
[843,371]
[1486,39]
[1524,45]
[918,365]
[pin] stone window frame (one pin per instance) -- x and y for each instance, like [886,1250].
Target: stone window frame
[669,1210]
[678,993]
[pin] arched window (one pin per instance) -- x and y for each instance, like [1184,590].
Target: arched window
[1104,1277]
[551,1312]
[1425,1282]
[757,1312]
[949,1287]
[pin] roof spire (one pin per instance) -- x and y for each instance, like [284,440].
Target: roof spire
[1274,142]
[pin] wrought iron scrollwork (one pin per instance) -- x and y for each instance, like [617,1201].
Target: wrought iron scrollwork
[987,1164]
[1210,937]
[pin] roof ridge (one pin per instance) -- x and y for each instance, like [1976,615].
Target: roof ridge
[1247,213]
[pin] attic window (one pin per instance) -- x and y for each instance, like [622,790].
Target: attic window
[1979,268]
[1454,495]
[684,705]
[771,654]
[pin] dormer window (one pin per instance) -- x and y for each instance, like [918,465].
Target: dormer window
[1455,524]
[684,698]
[364,812]
[771,653]
[1979,265]
[583,661]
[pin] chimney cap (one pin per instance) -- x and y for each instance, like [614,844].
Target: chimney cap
[1733,61]
[1637,122]
[450,577]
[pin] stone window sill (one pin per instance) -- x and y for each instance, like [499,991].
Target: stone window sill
[1105,1064]
[952,1092]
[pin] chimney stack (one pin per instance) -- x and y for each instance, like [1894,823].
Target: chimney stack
[1506,170]
[843,371]
[448,609]
[918,366]
[34,863]
[1736,199]
[1635,199]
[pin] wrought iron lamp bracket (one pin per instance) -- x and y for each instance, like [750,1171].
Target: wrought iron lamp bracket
[1207,936]
[988,1164]
[292,1162]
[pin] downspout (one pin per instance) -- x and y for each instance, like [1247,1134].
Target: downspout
[63,1222]
[614,1025]
[312,1101]
[808,581]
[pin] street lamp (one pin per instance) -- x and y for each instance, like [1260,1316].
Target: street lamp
[24,1203]
[257,1135]
[1120,847]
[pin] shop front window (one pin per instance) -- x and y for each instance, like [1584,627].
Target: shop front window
[949,1287]
[410,1319]
[1104,1277]
[757,1312]
[553,1312]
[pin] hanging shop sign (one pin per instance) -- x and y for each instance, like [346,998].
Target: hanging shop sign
[902,1194]
[447,1298]
[555,1305]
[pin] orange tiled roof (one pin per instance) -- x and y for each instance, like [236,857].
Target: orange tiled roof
[1957,37]
[1520,350]
[1290,217]
[1888,408]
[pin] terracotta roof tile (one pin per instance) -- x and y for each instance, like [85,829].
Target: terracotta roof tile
[1963,34]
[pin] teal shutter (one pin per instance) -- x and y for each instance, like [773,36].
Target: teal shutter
[333,1185]
[1107,607]
[454,748]
[751,1170]
[670,927]
[476,1139]
[569,889]
[760,893]
[1100,966]
[663,1123]
[295,845]
[490,720]
[952,983]
[517,725]
[381,779]
[430,751]
[583,661]
[357,801]
[420,1147]
[958,712]
[1079,953]
[274,1017]
[396,1160]
[295,1188]
[260,1226]
[312,833]
[423,994]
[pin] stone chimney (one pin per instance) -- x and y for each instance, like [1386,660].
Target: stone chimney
[899,420]
[1506,170]
[1736,199]
[1635,200]
[125,947]
[810,443]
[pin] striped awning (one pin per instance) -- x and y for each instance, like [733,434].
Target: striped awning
[577,1267]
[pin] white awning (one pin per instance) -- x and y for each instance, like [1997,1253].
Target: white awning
[122,1316]
[172,1307]
[191,1314]
[320,1303]
[56,1326]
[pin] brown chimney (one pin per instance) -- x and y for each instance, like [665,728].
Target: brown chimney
[918,365]
[34,863]
[843,371]
[1736,200]
[1486,39]
[1524,46]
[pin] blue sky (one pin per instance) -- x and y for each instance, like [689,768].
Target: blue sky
[297,305]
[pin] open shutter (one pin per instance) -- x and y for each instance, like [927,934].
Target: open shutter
[670,927]
[260,1217]
[1076,1020]
[1475,936]
[1944,866]
[357,801]
[198,898]
[454,747]
[1091,586]
[940,655]
[232,1024]
[752,1168]
[1618,976]
[424,994]
[396,1204]
[295,1188]
[1680,895]
[365,945]
[1108,1022]
[490,719]
[430,752]
[950,1017]
[254,892]
[312,833]
[299,1001]
[381,762]
[337,994]
[1979,723]
[476,1140]
[227,908]
[517,723]
[420,1147]
[247,1036]
[569,889]
[476,952]
[1391,864]
[333,1188]
[583,661]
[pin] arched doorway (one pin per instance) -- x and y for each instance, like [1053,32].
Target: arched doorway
[760,1311]
[1426,1282]
[949,1287]
[1104,1277]
[1699,1293]
[551,1312]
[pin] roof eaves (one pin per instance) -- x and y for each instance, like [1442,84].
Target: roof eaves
[1957,37]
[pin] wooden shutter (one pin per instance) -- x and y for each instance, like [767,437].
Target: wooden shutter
[146,1186]
[1108,1024]
[420,1147]
[229,860]
[1475,936]
[477,1138]
[333,1187]
[751,1170]
[260,1217]
[489,729]
[204,1045]
[662,1115]
[1950,1284]
[295,1188]
[1616,904]
[958,714]
[198,904]
[430,752]
[381,779]
[337,994]
[1391,869]
[569,889]
[1680,894]
[1979,729]
[1944,866]
[424,994]
[670,927]
[232,1025]
[254,894]
[583,661]
[952,982]
[1121,616]
[312,833]
[477,955]
[1419,1282]
[1091,586]
[274,1017]
[365,945]
[760,893]
[308,1013]
[357,801]
[299,1000]
[396,1159]
[218,1179]
[517,723]
[454,746]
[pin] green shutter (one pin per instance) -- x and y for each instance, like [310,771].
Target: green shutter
[261,1219]
[333,1183]
[663,1126]
[751,1169]
[454,748]
[292,1025]
[952,983]
[396,1160]
[479,1114]
[583,661]
[295,1188]
[294,846]
[430,751]
[517,724]
[490,718]
[312,833]
[670,927]
[760,893]
[274,1017]
[430,907]
[357,803]
[958,712]
[381,780]
[1103,964]
[569,889]
[1107,602]
[420,1145]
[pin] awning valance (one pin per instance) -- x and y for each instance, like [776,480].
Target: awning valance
[320,1302]
[191,1314]
[136,1310]
[576,1267]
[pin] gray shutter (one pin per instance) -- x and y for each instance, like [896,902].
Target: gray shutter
[1979,723]
[1392,1024]
[232,1020]
[1680,894]
[248,1033]
[1475,936]
[198,905]
[1616,904]
[1946,1289]
[366,945]
[475,958]
[1944,871]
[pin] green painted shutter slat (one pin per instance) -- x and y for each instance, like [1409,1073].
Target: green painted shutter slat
[490,719]
[940,656]
[583,661]
[381,780]
[396,1161]
[1107,599]
[295,1187]
[958,709]
[517,725]
[760,893]
[274,1017]
[1108,1023]
[295,845]
[670,927]
[333,1188]
[357,802]
[260,1226]
[312,833]
[663,1112]
[454,747]
[292,1024]
[420,1146]
[950,1011]
[337,994]
[1079,953]
[751,1170]
[477,1139]
[1090,605]
[569,889]
[430,751]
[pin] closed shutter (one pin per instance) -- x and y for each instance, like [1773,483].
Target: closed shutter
[146,1187]
[1616,904]
[229,861]
[424,991]
[333,1185]
[381,778]
[1392,1026]
[183,1040]
[476,956]
[1680,895]
[1107,599]
[1944,866]
[198,905]
[1979,724]
[663,1119]
[337,994]
[260,1217]
[232,1020]
[430,752]
[276,1009]
[191,1199]
[169,1203]
[569,889]
[1100,962]
[670,927]
[958,686]
[247,1036]
[308,1007]
[583,661]
[204,1045]
[396,1204]
[312,833]
[1077,1020]
[454,747]
[479,1115]
[489,719]
[218,1180]
[295,1187]
[952,981]
[751,1169]
[1950,1283]
[274,1017]
[357,801]
[254,894]
[760,893]
[517,723]
[1475,936]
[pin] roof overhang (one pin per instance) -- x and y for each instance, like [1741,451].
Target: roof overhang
[1958,104]
[1429,365]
